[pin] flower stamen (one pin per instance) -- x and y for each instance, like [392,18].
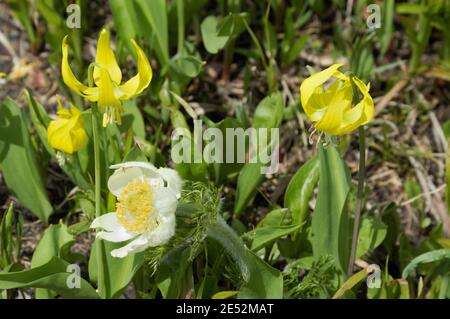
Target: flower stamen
[134,207]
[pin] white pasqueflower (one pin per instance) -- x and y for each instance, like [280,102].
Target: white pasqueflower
[147,198]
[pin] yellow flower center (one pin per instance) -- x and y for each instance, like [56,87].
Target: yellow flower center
[134,207]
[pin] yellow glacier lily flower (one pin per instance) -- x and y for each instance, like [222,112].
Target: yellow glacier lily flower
[108,91]
[331,109]
[67,133]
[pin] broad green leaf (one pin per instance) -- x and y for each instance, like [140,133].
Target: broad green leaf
[132,118]
[249,179]
[276,217]
[53,275]
[175,278]
[54,243]
[230,241]
[120,271]
[300,190]
[19,163]
[212,41]
[56,239]
[260,279]
[135,155]
[81,227]
[330,220]
[268,234]
[429,257]
[265,282]
[189,162]
[233,24]
[155,14]
[371,234]
[269,112]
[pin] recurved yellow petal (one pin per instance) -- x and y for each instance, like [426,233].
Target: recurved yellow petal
[70,79]
[141,80]
[361,113]
[312,85]
[105,59]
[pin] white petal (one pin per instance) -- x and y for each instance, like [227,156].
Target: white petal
[116,236]
[163,233]
[137,245]
[164,201]
[172,178]
[113,231]
[125,174]
[106,221]
[145,165]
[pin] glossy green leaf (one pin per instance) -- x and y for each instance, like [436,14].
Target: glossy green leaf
[260,279]
[175,274]
[330,220]
[250,178]
[155,15]
[371,234]
[269,112]
[265,282]
[268,234]
[55,239]
[132,118]
[212,41]
[300,190]
[429,257]
[53,275]
[120,271]
[19,163]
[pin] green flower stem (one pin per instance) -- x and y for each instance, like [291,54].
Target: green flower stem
[97,178]
[101,266]
[98,201]
[95,136]
[359,198]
